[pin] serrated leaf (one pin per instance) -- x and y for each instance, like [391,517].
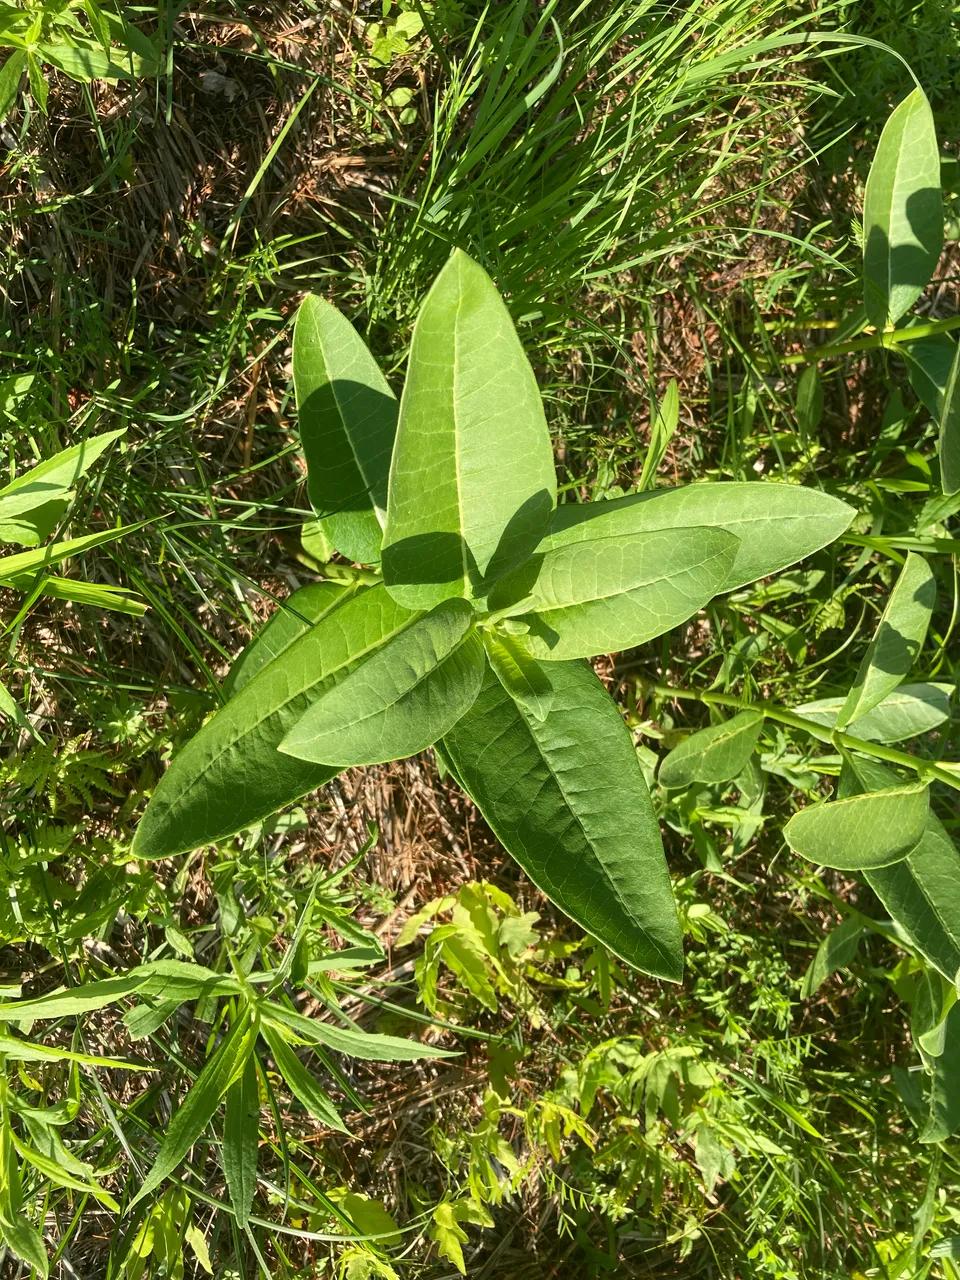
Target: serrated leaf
[292,619]
[449,1235]
[897,642]
[921,893]
[950,430]
[348,420]
[902,212]
[567,798]
[864,831]
[402,699]
[835,952]
[600,597]
[472,480]
[944,1116]
[197,1109]
[61,1176]
[526,681]
[356,1044]
[910,710]
[301,1083]
[715,754]
[241,1133]
[231,775]
[776,524]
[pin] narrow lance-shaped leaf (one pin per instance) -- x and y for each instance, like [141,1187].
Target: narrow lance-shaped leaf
[305,607]
[944,1118]
[600,597]
[950,430]
[197,1109]
[348,419]
[910,710]
[921,893]
[861,831]
[775,524]
[902,212]
[835,952]
[567,798]
[715,754]
[368,1045]
[231,774]
[526,681]
[53,477]
[897,641]
[241,1134]
[472,480]
[929,363]
[300,1082]
[402,699]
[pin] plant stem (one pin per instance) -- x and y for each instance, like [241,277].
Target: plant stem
[926,768]
[884,338]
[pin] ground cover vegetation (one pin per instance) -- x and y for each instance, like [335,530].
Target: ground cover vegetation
[479,602]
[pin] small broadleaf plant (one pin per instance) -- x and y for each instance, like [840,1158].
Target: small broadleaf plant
[476,635]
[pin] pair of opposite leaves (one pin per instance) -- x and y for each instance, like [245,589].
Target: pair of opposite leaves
[469,507]
[866,827]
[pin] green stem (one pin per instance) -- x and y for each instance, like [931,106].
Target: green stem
[884,338]
[925,768]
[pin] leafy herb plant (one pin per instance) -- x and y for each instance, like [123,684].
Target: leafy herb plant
[490,597]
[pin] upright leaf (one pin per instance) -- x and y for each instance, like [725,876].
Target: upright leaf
[944,1118]
[897,641]
[921,893]
[305,607]
[776,524]
[902,212]
[54,477]
[522,676]
[835,952]
[864,831]
[11,73]
[950,430]
[567,798]
[348,420]
[603,596]
[472,481]
[197,1109]
[402,699]
[241,1137]
[910,710]
[231,774]
[715,754]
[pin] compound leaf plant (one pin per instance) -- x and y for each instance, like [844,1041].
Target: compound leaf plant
[474,634]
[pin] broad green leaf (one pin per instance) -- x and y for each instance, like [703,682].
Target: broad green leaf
[929,363]
[864,831]
[231,774]
[526,681]
[944,1118]
[86,62]
[614,593]
[835,952]
[54,477]
[950,430]
[472,480]
[197,1109]
[715,754]
[11,73]
[348,420]
[949,1248]
[449,1236]
[371,1219]
[776,524]
[567,798]
[368,1045]
[34,527]
[910,710]
[25,1241]
[241,1135]
[902,212]
[921,893]
[897,642]
[402,699]
[300,1082]
[12,567]
[305,607]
